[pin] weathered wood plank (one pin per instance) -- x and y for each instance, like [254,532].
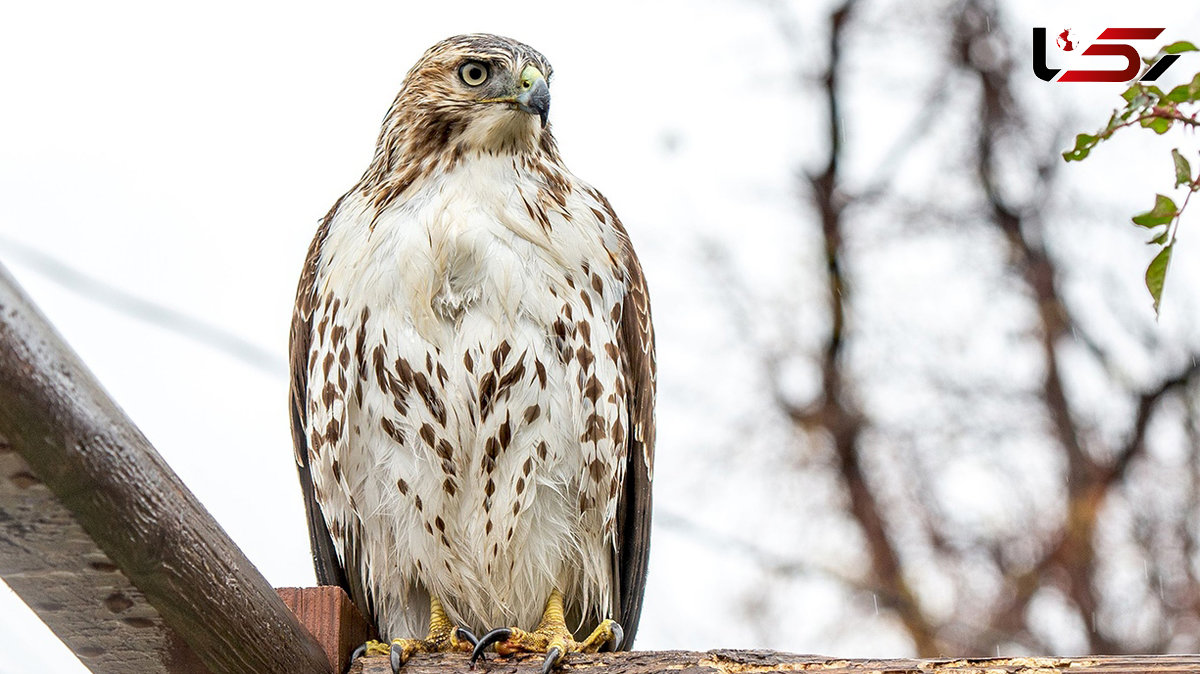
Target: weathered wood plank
[331,617]
[69,443]
[48,559]
[760,662]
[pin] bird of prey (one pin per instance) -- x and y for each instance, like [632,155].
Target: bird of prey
[473,377]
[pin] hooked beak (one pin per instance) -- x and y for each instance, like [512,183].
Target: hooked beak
[533,94]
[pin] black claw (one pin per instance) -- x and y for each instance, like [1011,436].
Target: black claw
[497,635]
[615,643]
[466,635]
[396,662]
[358,652]
[551,660]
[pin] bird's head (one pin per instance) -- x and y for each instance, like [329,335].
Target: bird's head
[474,92]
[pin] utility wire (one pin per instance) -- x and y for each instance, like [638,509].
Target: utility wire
[148,311]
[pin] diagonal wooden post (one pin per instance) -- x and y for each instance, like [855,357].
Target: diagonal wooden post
[104,542]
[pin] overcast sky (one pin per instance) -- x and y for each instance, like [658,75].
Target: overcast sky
[183,154]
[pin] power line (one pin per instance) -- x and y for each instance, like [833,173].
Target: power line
[148,311]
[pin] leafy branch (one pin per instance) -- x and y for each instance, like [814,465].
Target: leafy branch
[1150,107]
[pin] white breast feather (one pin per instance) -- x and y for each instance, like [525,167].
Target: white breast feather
[455,271]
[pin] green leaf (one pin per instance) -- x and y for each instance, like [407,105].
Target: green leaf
[1179,94]
[1179,47]
[1163,212]
[1173,48]
[1183,170]
[1158,125]
[1132,93]
[1083,145]
[1156,275]
[1185,93]
[1160,239]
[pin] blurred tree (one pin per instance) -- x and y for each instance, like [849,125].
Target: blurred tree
[1015,448]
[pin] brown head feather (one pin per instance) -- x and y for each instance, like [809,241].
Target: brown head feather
[437,118]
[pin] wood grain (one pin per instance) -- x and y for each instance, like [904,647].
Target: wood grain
[78,469]
[760,662]
[51,562]
[329,615]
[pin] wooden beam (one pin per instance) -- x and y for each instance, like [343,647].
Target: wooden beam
[103,541]
[331,617]
[761,662]
[50,561]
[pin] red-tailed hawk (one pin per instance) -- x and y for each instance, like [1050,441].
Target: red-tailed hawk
[473,376]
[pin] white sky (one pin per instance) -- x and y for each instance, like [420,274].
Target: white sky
[184,154]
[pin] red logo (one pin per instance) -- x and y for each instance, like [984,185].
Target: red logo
[1111,42]
[1064,41]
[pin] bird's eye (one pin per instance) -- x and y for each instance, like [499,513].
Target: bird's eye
[473,73]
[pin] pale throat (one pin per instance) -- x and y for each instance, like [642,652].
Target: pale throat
[502,130]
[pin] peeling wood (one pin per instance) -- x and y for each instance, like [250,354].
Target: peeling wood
[759,662]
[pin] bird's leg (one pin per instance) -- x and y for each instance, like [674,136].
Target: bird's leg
[551,637]
[443,636]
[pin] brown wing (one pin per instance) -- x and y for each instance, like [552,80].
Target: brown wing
[329,570]
[635,340]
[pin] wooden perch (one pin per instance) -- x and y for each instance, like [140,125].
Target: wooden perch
[103,541]
[331,617]
[759,662]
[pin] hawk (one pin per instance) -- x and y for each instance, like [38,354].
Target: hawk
[473,377]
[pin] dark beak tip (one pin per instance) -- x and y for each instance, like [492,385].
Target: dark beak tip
[539,100]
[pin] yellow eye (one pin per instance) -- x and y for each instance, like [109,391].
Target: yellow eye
[473,73]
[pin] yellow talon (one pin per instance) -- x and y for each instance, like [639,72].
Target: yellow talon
[442,637]
[606,632]
[551,637]
[402,650]
[374,647]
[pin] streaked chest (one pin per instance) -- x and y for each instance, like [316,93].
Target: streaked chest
[489,236]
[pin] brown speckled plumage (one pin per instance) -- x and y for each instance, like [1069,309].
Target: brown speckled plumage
[473,368]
